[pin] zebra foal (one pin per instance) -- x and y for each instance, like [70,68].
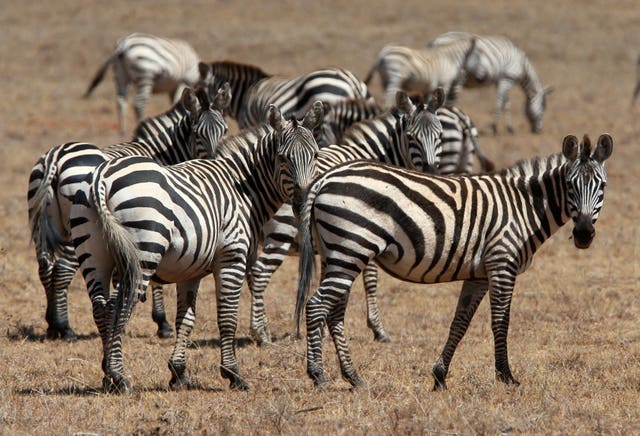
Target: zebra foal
[422,228]
[184,132]
[153,65]
[178,224]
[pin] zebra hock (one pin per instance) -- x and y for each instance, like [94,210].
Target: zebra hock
[178,224]
[422,228]
[182,133]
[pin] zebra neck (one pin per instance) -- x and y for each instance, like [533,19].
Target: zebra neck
[241,78]
[380,138]
[530,82]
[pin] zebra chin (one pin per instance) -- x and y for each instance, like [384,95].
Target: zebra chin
[298,199]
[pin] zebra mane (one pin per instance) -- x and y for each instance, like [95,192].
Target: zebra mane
[535,167]
[230,68]
[243,140]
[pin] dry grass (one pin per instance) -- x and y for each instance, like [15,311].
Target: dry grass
[575,335]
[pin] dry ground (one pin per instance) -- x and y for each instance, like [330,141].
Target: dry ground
[575,330]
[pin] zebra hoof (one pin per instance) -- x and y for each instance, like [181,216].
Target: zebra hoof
[164,331]
[439,375]
[116,385]
[381,337]
[65,333]
[262,337]
[318,380]
[239,384]
[179,383]
[507,378]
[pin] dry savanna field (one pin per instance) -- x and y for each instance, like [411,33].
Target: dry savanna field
[574,338]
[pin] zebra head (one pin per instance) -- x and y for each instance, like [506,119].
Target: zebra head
[206,119]
[535,107]
[423,130]
[297,152]
[586,180]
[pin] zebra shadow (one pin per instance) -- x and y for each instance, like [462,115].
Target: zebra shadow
[28,333]
[87,391]
[215,343]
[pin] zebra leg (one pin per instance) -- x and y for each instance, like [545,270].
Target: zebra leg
[144,88]
[500,295]
[57,308]
[470,297]
[229,279]
[122,82]
[370,280]
[185,320]
[158,314]
[503,86]
[273,254]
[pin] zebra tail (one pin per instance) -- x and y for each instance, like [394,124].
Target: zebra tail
[471,133]
[124,252]
[43,232]
[307,263]
[372,71]
[100,75]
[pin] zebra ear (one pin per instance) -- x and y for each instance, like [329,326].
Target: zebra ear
[570,147]
[223,99]
[326,107]
[314,116]
[275,119]
[203,99]
[204,70]
[403,103]
[437,99]
[604,147]
[189,100]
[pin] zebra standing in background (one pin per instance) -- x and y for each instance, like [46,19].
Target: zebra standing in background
[430,229]
[497,60]
[182,133]
[408,136]
[152,64]
[421,71]
[181,223]
[254,90]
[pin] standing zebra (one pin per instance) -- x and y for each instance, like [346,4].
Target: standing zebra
[181,223]
[421,71]
[430,229]
[407,135]
[152,64]
[182,133]
[497,60]
[254,90]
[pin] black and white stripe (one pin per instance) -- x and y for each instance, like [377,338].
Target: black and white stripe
[151,64]
[496,60]
[407,136]
[254,90]
[182,133]
[178,224]
[428,229]
[420,71]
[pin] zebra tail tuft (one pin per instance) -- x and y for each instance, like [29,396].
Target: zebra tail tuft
[124,252]
[43,232]
[307,263]
[99,75]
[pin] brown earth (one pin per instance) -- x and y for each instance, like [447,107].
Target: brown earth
[575,323]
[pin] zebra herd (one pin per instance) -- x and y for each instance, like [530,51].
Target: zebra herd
[318,167]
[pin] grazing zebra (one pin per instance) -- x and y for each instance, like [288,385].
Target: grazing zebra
[407,135]
[181,223]
[497,60]
[254,90]
[421,71]
[182,133]
[429,229]
[152,64]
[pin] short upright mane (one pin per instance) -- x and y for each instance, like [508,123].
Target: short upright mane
[532,168]
[230,68]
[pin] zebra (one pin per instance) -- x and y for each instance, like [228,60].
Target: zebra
[254,90]
[482,229]
[152,64]
[407,135]
[203,217]
[184,132]
[420,71]
[497,60]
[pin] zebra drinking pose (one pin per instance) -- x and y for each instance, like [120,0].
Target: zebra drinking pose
[367,140]
[254,90]
[430,229]
[408,136]
[421,71]
[182,133]
[181,223]
[497,60]
[152,64]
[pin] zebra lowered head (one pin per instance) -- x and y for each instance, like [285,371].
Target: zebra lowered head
[586,180]
[535,106]
[423,130]
[207,123]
